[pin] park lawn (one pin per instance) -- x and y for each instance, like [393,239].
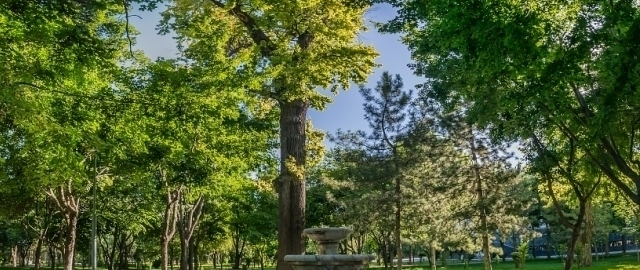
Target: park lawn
[628,262]
[620,262]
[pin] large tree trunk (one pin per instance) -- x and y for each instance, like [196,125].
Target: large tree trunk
[587,235]
[187,223]
[168,226]
[291,182]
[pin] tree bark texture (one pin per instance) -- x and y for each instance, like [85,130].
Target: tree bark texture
[68,205]
[432,257]
[14,256]
[291,181]
[587,235]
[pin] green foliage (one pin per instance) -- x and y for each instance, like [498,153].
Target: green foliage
[324,52]
[535,68]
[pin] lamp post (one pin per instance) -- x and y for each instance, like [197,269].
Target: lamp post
[94,238]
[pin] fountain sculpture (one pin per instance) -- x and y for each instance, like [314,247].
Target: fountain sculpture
[328,258]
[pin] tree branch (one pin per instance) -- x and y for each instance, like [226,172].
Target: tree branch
[259,37]
[126,29]
[563,219]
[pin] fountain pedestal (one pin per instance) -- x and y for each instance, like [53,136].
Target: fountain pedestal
[328,258]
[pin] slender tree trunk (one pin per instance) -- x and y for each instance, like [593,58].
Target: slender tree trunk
[23,251]
[124,248]
[387,247]
[397,223]
[109,250]
[14,256]
[169,225]
[504,253]
[432,257]
[624,244]
[445,256]
[483,215]
[637,250]
[587,235]
[37,253]
[261,261]
[291,182]
[187,222]
[575,236]
[410,254]
[239,250]
[548,244]
[194,261]
[52,257]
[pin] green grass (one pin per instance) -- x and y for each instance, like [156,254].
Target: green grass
[627,262]
[618,262]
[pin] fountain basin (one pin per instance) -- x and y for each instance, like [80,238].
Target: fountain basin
[329,262]
[330,234]
[328,240]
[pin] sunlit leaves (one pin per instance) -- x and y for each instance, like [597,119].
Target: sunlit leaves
[333,58]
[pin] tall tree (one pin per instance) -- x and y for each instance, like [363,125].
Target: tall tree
[198,138]
[282,52]
[393,143]
[537,66]
[559,163]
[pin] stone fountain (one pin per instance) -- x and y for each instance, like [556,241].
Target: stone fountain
[328,258]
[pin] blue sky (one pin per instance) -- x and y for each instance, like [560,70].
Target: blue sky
[346,111]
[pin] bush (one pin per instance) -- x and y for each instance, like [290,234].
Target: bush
[155,264]
[517,259]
